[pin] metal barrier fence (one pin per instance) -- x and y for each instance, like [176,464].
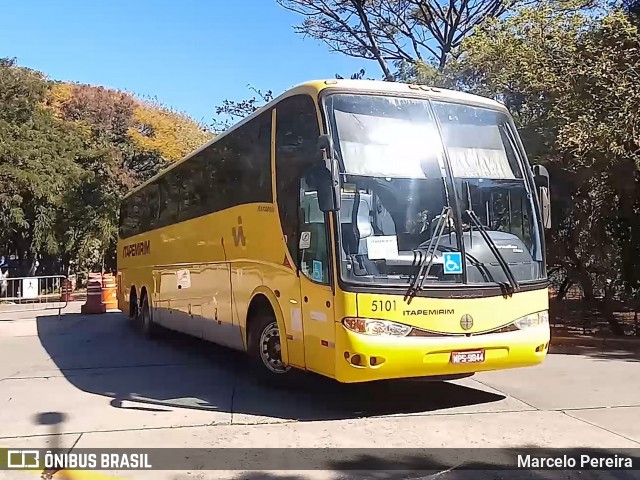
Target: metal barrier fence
[22,294]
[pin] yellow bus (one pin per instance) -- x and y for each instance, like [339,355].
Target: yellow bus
[361,230]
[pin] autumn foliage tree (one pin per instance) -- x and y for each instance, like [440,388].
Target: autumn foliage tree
[68,153]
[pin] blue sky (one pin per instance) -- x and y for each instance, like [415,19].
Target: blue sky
[190,54]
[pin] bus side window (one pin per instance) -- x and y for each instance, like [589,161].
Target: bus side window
[297,134]
[314,255]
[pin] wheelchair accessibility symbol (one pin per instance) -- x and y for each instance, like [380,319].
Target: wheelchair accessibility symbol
[452,263]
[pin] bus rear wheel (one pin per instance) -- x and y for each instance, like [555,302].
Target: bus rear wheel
[145,322]
[266,348]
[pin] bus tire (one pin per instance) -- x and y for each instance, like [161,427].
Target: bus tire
[134,311]
[146,325]
[265,349]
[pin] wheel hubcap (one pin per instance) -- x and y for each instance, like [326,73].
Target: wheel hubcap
[270,349]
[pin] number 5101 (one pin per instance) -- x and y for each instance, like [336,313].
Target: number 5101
[383,305]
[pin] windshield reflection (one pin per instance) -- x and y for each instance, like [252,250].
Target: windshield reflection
[407,159]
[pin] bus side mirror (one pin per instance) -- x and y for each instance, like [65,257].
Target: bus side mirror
[325,149]
[541,179]
[328,176]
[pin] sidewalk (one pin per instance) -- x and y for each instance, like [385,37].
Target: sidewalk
[563,339]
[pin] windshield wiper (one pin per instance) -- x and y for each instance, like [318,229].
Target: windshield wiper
[513,283]
[424,267]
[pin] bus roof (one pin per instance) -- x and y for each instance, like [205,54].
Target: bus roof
[314,87]
[378,86]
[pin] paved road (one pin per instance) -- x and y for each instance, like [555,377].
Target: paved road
[111,388]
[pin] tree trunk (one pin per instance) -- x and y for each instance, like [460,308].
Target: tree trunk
[359,4]
[608,311]
[31,264]
[605,306]
[442,61]
[564,288]
[586,284]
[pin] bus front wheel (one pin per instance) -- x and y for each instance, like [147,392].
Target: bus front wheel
[266,347]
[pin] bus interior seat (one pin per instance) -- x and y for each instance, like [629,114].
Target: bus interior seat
[365,229]
[385,224]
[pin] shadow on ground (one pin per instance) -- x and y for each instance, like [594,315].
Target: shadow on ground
[103,355]
[447,464]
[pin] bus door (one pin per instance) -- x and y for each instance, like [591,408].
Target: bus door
[296,140]
[315,284]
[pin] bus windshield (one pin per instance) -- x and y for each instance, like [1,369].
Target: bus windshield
[405,160]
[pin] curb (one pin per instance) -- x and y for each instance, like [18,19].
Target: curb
[628,344]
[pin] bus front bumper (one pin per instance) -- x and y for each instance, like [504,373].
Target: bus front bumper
[363,358]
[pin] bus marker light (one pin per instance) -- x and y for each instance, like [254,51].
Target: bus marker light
[376,361]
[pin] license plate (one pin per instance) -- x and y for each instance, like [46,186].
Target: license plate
[475,356]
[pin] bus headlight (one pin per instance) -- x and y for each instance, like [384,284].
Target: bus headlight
[371,326]
[533,320]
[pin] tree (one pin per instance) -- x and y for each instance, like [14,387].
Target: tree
[156,128]
[570,80]
[232,111]
[30,179]
[359,75]
[632,8]
[68,153]
[107,112]
[394,32]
